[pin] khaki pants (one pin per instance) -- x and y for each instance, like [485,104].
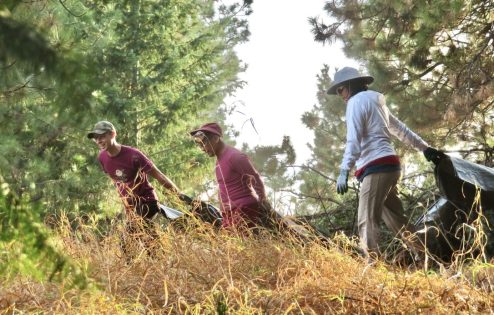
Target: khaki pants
[379,199]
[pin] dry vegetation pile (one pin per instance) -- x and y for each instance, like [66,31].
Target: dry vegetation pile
[201,271]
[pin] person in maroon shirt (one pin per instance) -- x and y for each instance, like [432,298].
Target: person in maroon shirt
[241,190]
[129,169]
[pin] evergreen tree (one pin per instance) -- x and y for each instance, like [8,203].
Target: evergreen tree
[275,163]
[434,60]
[323,207]
[153,67]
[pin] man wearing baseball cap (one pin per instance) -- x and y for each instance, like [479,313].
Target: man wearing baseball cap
[241,190]
[129,169]
[370,125]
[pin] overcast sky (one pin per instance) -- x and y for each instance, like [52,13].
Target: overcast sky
[283,61]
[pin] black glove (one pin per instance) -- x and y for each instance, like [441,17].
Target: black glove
[185,198]
[433,155]
[196,204]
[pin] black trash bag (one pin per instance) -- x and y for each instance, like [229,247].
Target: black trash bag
[466,188]
[462,183]
[437,229]
[203,210]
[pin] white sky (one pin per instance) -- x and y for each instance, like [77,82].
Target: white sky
[283,61]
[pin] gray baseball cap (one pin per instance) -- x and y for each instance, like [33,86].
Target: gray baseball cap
[347,74]
[100,128]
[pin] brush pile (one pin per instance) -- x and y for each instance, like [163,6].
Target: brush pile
[203,271]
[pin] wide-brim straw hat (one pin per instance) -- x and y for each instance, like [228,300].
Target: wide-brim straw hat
[347,74]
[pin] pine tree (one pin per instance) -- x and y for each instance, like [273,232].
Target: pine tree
[434,60]
[155,68]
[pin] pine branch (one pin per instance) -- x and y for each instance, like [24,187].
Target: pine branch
[318,197]
[16,89]
[313,170]
[9,65]
[70,12]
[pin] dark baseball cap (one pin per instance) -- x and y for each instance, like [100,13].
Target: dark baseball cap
[101,128]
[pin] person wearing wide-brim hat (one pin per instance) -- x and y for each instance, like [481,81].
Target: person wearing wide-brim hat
[369,149]
[347,75]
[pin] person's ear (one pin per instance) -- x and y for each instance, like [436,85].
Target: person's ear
[216,139]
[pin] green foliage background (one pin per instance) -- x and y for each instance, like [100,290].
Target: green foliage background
[434,61]
[155,68]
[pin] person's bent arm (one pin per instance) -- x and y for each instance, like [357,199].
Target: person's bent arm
[250,176]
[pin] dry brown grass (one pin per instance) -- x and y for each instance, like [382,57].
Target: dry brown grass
[201,271]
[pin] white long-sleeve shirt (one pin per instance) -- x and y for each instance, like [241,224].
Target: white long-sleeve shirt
[369,129]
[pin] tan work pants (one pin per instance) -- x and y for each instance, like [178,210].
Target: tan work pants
[379,199]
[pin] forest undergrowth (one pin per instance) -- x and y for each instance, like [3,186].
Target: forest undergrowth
[201,270]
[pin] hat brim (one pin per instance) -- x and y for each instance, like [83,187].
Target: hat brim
[211,131]
[96,132]
[366,79]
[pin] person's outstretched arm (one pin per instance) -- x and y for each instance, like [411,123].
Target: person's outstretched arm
[163,180]
[402,132]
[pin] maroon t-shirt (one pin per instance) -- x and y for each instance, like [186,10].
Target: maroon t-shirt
[128,170]
[236,175]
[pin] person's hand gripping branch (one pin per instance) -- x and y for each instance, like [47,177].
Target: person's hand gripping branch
[342,182]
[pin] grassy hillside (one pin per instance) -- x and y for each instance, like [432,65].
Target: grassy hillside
[200,271]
